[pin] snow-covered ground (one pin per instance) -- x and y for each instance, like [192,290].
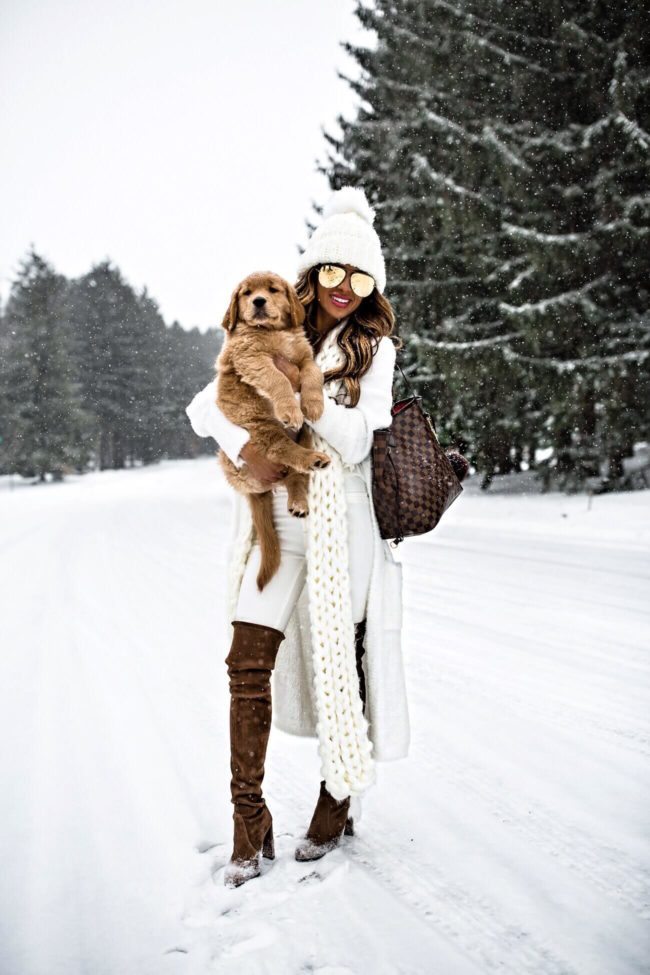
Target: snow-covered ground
[512,840]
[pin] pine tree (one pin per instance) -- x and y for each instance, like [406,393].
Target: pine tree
[106,318]
[188,364]
[580,314]
[137,375]
[4,391]
[506,148]
[43,425]
[145,417]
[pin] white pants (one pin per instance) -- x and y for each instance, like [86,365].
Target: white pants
[275,604]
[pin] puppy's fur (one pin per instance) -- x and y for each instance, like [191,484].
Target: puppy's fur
[265,319]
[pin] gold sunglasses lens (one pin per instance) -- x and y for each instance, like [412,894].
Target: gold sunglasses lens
[330,275]
[362,284]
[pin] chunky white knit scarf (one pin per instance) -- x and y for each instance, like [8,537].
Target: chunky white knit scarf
[344,745]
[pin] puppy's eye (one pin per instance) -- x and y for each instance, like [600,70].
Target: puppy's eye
[274,291]
[247,292]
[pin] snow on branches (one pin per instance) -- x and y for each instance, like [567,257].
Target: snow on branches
[575,296]
[628,125]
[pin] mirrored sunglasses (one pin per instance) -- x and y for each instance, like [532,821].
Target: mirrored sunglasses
[331,275]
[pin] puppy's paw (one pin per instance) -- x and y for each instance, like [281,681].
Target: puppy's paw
[319,460]
[312,407]
[290,415]
[298,507]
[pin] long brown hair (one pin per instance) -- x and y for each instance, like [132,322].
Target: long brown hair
[358,338]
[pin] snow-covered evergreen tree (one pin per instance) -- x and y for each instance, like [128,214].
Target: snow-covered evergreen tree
[136,373]
[188,358]
[507,148]
[103,309]
[43,425]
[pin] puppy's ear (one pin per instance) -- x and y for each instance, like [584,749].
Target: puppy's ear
[230,318]
[296,309]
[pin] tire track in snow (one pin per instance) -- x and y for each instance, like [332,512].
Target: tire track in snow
[608,869]
[442,903]
[471,923]
[455,678]
[514,554]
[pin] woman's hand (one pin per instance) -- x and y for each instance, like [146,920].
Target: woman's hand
[290,369]
[264,470]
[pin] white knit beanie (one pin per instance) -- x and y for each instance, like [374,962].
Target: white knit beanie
[346,236]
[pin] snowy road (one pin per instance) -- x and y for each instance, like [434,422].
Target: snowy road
[514,839]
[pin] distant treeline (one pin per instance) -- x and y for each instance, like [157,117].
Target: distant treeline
[91,377]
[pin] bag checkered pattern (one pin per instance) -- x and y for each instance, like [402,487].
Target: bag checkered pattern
[413,482]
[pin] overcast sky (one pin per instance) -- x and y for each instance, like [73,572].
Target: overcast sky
[176,137]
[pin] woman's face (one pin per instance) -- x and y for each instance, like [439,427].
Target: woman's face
[339,301]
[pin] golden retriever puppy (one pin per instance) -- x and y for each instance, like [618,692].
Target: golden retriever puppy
[265,319]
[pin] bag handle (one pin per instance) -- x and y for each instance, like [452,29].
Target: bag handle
[404,377]
[417,397]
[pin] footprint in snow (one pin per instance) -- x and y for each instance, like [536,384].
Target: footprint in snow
[204,846]
[255,937]
[211,903]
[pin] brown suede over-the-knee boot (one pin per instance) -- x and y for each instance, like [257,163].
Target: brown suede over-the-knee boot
[331,816]
[250,662]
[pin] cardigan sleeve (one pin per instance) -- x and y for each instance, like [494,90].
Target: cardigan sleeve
[208,421]
[350,429]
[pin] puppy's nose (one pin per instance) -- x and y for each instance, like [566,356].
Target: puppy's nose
[259,302]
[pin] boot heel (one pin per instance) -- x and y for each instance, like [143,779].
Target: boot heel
[268,846]
[348,829]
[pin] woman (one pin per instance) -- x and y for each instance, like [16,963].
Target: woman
[336,598]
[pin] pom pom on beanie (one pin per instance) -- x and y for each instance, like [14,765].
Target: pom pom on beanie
[349,199]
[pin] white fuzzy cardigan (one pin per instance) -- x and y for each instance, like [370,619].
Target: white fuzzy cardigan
[298,693]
